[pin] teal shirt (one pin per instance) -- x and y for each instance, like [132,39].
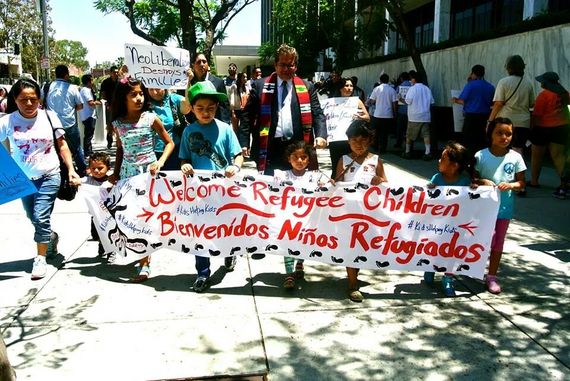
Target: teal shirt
[164,112]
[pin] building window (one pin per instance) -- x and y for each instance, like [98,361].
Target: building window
[558,5]
[420,21]
[512,12]
[483,17]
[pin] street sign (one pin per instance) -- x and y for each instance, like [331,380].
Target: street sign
[44,62]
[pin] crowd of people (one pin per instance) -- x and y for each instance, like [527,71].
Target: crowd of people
[277,121]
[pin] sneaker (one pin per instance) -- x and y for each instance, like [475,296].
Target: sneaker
[447,283]
[427,157]
[230,263]
[559,193]
[52,245]
[39,268]
[493,285]
[428,277]
[355,296]
[201,284]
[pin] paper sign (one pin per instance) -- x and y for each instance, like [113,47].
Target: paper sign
[14,183]
[457,112]
[158,66]
[402,91]
[339,113]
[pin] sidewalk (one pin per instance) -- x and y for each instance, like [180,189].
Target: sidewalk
[84,321]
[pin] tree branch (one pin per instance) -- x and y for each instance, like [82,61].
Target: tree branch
[131,16]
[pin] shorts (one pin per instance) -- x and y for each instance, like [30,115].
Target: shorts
[520,137]
[541,136]
[498,241]
[415,128]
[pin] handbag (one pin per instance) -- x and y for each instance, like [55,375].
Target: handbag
[67,191]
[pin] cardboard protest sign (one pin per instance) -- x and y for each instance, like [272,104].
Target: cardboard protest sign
[339,113]
[402,91]
[14,183]
[158,66]
[457,109]
[350,224]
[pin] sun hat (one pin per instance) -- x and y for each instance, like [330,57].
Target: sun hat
[549,81]
[205,88]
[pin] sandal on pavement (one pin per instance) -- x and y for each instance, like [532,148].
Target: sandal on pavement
[493,285]
[299,269]
[355,296]
[143,274]
[289,282]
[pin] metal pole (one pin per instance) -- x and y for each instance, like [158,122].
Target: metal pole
[43,10]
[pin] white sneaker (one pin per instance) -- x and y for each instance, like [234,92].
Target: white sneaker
[39,268]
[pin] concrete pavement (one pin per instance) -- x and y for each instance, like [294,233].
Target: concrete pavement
[85,321]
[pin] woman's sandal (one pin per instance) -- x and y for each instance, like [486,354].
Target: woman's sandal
[355,296]
[289,282]
[143,274]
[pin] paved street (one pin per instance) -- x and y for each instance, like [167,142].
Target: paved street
[84,321]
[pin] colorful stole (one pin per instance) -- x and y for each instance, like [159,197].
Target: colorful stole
[267,100]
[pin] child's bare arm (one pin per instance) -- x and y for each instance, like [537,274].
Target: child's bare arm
[235,167]
[380,174]
[519,184]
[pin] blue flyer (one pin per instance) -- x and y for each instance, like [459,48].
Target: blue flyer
[13,182]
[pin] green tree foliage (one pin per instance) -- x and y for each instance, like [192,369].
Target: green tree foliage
[70,53]
[347,27]
[21,23]
[192,24]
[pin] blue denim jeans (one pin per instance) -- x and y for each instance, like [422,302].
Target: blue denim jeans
[203,266]
[38,206]
[73,139]
[88,133]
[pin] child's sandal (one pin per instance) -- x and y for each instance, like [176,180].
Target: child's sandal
[289,282]
[143,274]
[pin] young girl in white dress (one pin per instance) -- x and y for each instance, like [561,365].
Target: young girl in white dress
[363,167]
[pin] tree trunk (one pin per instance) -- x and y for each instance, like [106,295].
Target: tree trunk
[396,12]
[188,26]
[6,371]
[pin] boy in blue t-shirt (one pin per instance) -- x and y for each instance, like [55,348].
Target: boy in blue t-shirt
[208,144]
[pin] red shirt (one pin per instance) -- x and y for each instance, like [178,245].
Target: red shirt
[549,111]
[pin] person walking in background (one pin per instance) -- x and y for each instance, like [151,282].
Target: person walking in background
[513,99]
[385,100]
[419,100]
[238,94]
[107,90]
[550,128]
[171,108]
[209,144]
[201,69]
[502,167]
[451,167]
[255,75]
[135,128]
[341,147]
[363,167]
[477,100]
[281,110]
[30,133]
[231,77]
[64,98]
[402,112]
[88,114]
[358,92]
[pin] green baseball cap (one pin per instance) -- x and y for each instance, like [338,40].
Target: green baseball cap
[205,88]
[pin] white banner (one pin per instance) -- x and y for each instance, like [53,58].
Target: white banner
[339,113]
[355,225]
[158,66]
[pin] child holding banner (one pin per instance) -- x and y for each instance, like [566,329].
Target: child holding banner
[299,155]
[209,144]
[99,165]
[501,167]
[363,167]
[135,128]
[451,172]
